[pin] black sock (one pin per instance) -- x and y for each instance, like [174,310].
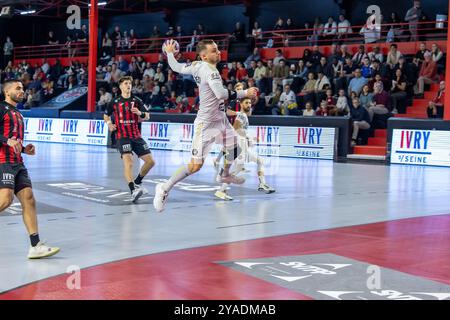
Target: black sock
[138,179]
[131,186]
[34,238]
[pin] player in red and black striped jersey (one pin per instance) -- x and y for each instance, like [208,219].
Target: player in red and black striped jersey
[13,174]
[128,111]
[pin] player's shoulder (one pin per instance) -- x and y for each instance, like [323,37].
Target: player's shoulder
[139,100]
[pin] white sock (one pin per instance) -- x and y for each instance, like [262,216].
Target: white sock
[181,174]
[262,179]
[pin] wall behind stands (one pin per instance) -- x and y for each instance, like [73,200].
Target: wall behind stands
[431,8]
[141,23]
[217,19]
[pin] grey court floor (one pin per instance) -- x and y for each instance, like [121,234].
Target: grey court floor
[84,206]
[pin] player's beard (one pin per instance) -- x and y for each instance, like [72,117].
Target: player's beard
[15,98]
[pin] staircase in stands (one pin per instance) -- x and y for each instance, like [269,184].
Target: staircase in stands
[376,146]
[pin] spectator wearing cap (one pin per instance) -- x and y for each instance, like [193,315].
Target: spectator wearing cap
[427,74]
[436,106]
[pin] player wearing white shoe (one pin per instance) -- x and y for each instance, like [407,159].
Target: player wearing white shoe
[211,124]
[248,153]
[14,175]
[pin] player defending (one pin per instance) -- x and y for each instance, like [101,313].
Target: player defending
[248,153]
[14,175]
[128,110]
[211,124]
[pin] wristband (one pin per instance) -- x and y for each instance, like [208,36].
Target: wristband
[142,115]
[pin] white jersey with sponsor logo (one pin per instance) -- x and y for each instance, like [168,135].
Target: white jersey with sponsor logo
[209,82]
[243,119]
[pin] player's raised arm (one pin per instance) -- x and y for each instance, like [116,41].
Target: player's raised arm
[216,85]
[170,49]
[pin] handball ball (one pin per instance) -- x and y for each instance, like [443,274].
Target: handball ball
[177,47]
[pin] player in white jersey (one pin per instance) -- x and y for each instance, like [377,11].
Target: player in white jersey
[211,124]
[248,153]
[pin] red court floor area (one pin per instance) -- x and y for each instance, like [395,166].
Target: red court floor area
[418,246]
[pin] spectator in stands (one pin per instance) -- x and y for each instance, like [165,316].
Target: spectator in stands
[357,83]
[437,56]
[317,32]
[413,16]
[51,40]
[33,98]
[194,41]
[105,98]
[138,88]
[123,65]
[154,43]
[107,45]
[259,75]
[281,72]
[398,92]
[69,45]
[376,54]
[344,54]
[309,111]
[307,58]
[344,27]
[241,72]
[322,110]
[360,117]
[287,36]
[419,58]
[334,53]
[394,29]
[132,39]
[309,87]
[82,34]
[342,105]
[238,35]
[359,57]
[382,102]
[45,66]
[320,87]
[256,35]
[149,71]
[316,55]
[366,69]
[366,97]
[427,74]
[272,101]
[8,48]
[71,82]
[330,30]
[436,106]
[162,63]
[278,57]
[254,56]
[159,76]
[56,70]
[115,92]
[170,32]
[279,26]
[393,56]
[251,70]
[288,102]
[325,68]
[117,37]
[116,74]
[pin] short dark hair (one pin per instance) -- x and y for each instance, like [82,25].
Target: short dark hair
[202,45]
[243,99]
[123,79]
[7,83]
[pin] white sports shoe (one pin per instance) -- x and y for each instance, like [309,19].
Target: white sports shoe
[137,193]
[42,251]
[266,188]
[144,189]
[223,195]
[231,179]
[160,199]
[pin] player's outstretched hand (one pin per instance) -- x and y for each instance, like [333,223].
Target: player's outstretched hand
[252,92]
[171,46]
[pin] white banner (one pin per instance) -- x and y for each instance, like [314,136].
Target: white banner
[77,131]
[421,147]
[299,142]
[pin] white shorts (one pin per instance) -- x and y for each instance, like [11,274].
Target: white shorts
[206,133]
[248,154]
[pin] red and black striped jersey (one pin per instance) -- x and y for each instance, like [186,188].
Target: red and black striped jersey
[11,125]
[126,121]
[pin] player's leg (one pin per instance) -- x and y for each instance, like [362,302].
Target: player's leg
[201,145]
[142,150]
[24,193]
[6,198]
[263,186]
[7,184]
[230,141]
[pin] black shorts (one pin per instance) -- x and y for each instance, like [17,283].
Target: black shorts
[14,176]
[138,146]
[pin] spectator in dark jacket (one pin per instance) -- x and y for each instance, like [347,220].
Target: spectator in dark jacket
[360,118]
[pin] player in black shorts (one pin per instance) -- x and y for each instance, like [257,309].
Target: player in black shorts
[14,178]
[128,110]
